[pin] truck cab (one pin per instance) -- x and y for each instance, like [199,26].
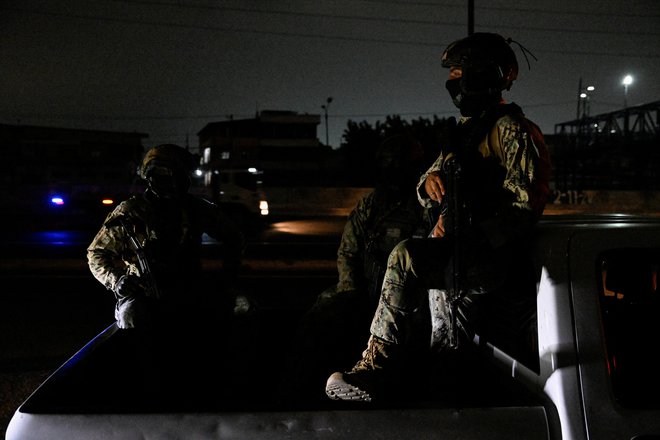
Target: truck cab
[238,191]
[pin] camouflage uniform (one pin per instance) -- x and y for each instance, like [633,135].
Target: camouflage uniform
[494,169]
[502,221]
[506,175]
[171,233]
[331,333]
[378,223]
[180,328]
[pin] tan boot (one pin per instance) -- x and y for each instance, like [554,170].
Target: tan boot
[367,376]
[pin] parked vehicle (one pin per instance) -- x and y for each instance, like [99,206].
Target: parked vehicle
[238,191]
[586,371]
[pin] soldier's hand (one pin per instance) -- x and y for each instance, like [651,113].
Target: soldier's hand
[434,186]
[439,228]
[243,305]
[128,285]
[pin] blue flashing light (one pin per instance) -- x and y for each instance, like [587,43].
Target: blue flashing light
[57,200]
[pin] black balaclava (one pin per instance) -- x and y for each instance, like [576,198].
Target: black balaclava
[168,182]
[471,102]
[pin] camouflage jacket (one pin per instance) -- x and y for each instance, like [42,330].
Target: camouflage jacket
[380,220]
[518,195]
[171,236]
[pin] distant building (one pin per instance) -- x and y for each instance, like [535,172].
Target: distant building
[282,144]
[78,167]
[45,155]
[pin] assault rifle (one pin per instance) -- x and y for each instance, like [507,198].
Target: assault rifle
[456,216]
[445,304]
[146,275]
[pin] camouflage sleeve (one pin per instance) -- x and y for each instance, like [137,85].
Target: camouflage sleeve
[350,254]
[105,253]
[423,198]
[521,149]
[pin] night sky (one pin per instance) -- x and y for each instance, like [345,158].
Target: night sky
[167,68]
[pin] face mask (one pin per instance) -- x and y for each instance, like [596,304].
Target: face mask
[470,104]
[454,88]
[169,185]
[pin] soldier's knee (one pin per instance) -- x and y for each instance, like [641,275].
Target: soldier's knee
[401,255]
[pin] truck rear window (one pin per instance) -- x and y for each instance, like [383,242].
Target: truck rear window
[630,310]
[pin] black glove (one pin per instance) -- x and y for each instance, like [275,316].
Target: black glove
[128,285]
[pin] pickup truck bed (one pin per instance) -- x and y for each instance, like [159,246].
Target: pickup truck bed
[589,374]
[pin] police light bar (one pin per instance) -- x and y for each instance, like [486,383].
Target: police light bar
[57,200]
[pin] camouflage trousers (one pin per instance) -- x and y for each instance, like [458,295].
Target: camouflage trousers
[415,267]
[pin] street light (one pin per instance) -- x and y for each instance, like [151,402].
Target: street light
[584,96]
[325,109]
[627,80]
[583,100]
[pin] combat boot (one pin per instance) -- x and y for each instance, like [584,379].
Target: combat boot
[369,375]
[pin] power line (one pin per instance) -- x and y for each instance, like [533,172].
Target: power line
[289,13]
[301,35]
[376,19]
[223,28]
[591,13]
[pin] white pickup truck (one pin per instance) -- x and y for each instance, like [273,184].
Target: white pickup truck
[592,372]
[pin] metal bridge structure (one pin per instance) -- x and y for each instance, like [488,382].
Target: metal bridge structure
[619,150]
[640,122]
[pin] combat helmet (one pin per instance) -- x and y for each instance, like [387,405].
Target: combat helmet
[487,61]
[169,156]
[167,169]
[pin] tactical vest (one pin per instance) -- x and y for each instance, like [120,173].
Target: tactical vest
[481,178]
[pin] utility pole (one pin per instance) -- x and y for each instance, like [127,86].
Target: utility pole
[325,109]
[577,116]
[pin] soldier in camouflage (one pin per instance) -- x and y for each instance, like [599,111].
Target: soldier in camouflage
[147,253]
[382,218]
[331,333]
[504,173]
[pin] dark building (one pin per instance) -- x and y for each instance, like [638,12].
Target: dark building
[282,144]
[78,167]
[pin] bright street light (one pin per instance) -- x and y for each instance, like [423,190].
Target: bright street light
[627,80]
